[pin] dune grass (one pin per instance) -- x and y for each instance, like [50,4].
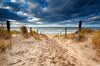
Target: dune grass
[33,32]
[3,33]
[2,46]
[96,44]
[24,32]
[43,35]
[85,32]
[83,35]
[15,32]
[37,37]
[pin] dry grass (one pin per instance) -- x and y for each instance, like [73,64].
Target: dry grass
[33,32]
[74,36]
[43,35]
[84,35]
[96,44]
[15,32]
[2,46]
[55,36]
[5,43]
[3,33]
[37,37]
[40,36]
[24,32]
[85,32]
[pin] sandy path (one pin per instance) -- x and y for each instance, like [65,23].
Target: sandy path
[50,52]
[50,35]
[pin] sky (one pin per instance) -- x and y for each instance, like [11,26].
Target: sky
[50,13]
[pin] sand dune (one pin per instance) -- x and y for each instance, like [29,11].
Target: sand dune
[50,52]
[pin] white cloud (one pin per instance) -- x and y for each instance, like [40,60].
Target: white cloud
[13,0]
[94,18]
[12,20]
[33,20]
[34,5]
[39,22]
[8,7]
[66,21]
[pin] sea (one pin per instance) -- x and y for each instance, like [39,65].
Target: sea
[54,30]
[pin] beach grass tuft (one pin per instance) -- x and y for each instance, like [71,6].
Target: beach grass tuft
[43,35]
[83,35]
[15,32]
[37,37]
[96,44]
[24,32]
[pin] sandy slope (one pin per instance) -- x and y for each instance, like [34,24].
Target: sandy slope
[50,52]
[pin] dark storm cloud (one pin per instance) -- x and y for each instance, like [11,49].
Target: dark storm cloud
[58,10]
[52,11]
[7,14]
[15,6]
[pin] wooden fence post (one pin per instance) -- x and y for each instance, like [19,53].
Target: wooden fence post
[37,31]
[8,26]
[31,30]
[79,31]
[65,32]
[58,35]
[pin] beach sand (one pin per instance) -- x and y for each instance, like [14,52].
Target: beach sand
[50,35]
[50,52]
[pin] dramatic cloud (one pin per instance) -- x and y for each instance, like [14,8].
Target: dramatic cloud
[61,12]
[7,14]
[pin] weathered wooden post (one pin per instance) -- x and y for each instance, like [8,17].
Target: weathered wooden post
[79,31]
[9,36]
[65,32]
[31,30]
[58,35]
[37,31]
[8,26]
